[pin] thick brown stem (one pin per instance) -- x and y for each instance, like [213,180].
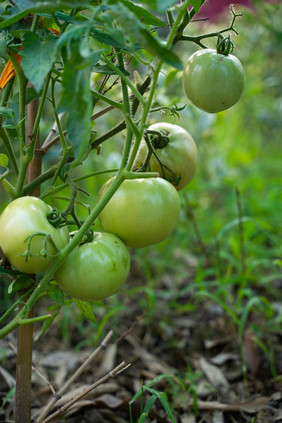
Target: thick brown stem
[23,374]
[25,332]
[35,166]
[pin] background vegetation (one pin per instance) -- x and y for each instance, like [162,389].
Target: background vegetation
[223,262]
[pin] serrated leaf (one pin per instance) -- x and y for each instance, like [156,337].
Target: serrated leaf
[37,58]
[76,97]
[21,282]
[4,160]
[86,309]
[7,113]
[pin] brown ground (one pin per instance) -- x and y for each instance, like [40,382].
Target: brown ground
[197,350]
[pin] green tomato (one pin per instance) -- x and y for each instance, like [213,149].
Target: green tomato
[24,225]
[95,270]
[213,81]
[142,211]
[177,154]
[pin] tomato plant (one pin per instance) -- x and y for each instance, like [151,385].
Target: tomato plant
[213,81]
[174,156]
[28,239]
[50,52]
[96,269]
[142,211]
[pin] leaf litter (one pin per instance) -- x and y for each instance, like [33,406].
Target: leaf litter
[194,358]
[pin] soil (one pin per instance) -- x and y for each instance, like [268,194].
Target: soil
[187,358]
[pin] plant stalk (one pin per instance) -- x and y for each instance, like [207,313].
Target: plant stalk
[25,332]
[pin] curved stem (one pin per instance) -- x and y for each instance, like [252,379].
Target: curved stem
[24,158]
[9,147]
[39,180]
[22,97]
[6,93]
[107,100]
[58,188]
[126,111]
[41,105]
[122,125]
[125,79]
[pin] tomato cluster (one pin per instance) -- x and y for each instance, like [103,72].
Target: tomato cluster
[143,211]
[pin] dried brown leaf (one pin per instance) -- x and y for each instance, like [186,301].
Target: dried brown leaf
[214,375]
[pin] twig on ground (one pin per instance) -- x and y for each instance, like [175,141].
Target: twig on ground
[79,371]
[121,367]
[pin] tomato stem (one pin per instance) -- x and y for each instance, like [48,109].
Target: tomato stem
[225,46]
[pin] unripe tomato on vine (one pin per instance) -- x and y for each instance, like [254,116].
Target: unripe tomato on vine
[28,238]
[96,269]
[214,80]
[142,211]
[174,155]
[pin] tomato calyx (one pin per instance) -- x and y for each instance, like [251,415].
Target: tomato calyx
[88,237]
[225,46]
[43,252]
[57,219]
[158,139]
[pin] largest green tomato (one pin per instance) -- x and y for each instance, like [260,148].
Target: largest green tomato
[95,270]
[213,81]
[142,211]
[27,239]
[177,154]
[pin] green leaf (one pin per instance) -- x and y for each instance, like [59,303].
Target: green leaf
[4,160]
[47,323]
[158,5]
[55,293]
[197,5]
[138,31]
[38,57]
[86,309]
[74,33]
[105,38]
[23,7]
[163,53]
[76,97]
[149,404]
[7,113]
[106,70]
[10,394]
[3,46]
[8,271]
[21,282]
[143,14]
[162,397]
